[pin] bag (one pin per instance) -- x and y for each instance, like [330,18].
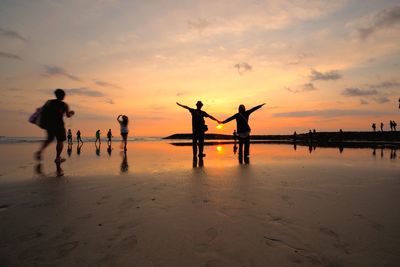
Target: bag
[37,117]
[205,128]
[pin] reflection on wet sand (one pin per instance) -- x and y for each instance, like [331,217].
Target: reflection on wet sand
[124,164]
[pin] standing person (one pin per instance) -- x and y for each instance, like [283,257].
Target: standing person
[69,137]
[394,126]
[109,136]
[98,137]
[53,122]
[374,126]
[243,128]
[381,126]
[78,137]
[123,123]
[198,127]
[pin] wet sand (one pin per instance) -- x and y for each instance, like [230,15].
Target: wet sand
[285,208]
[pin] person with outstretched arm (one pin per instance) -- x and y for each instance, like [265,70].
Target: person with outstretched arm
[243,128]
[198,127]
[123,123]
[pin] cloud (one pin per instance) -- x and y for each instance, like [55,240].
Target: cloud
[84,91]
[9,56]
[105,84]
[382,100]
[243,67]
[304,88]
[109,101]
[386,18]
[328,113]
[364,102]
[12,35]
[325,76]
[385,85]
[199,24]
[51,70]
[359,92]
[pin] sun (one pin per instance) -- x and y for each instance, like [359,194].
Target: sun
[219,126]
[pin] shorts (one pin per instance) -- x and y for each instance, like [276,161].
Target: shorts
[58,133]
[124,135]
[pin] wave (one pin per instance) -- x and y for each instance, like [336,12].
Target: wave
[13,140]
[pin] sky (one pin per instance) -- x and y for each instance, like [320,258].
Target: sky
[324,65]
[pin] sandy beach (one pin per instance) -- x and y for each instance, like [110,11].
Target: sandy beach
[153,208]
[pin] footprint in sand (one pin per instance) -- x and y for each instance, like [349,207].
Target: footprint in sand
[128,243]
[64,249]
[338,242]
[212,233]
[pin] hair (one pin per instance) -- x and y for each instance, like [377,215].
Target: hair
[60,94]
[125,119]
[241,108]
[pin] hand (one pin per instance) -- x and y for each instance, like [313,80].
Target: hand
[71,113]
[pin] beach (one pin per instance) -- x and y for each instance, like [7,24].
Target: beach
[153,207]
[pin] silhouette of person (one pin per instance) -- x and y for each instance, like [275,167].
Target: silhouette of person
[123,123]
[52,120]
[295,136]
[109,136]
[124,163]
[98,137]
[391,125]
[242,128]
[109,149]
[78,137]
[374,126]
[381,126]
[394,126]
[69,137]
[198,127]
[78,148]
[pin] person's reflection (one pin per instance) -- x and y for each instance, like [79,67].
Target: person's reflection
[235,148]
[374,152]
[69,150]
[310,148]
[109,149]
[381,152]
[246,160]
[124,163]
[78,148]
[200,162]
[295,146]
[39,170]
[59,170]
[98,149]
[341,148]
[393,154]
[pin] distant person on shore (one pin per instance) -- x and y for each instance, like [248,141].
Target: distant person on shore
[381,126]
[198,127]
[391,125]
[69,137]
[123,123]
[78,137]
[295,136]
[98,137]
[52,119]
[243,129]
[374,126]
[109,136]
[394,126]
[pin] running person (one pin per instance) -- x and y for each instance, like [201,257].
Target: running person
[53,122]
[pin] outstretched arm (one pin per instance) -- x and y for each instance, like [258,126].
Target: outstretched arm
[119,116]
[182,105]
[255,108]
[214,119]
[229,119]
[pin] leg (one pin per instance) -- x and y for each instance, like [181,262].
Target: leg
[247,146]
[50,137]
[194,145]
[59,148]
[201,145]
[241,141]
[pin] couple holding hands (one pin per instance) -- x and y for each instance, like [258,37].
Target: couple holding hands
[199,127]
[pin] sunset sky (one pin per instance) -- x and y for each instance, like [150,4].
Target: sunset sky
[317,64]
